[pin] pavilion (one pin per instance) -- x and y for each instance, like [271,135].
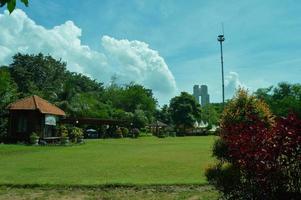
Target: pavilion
[33,114]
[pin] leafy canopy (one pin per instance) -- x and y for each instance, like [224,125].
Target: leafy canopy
[184,110]
[11,4]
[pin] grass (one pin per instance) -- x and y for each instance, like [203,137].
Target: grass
[133,193]
[144,168]
[143,161]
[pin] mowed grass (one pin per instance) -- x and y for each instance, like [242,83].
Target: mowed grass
[143,161]
[130,193]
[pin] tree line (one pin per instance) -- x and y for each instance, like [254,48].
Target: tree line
[81,96]
[78,95]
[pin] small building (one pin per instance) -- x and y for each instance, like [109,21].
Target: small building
[157,126]
[33,114]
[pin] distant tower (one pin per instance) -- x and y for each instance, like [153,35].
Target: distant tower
[201,92]
[204,95]
[196,93]
[221,39]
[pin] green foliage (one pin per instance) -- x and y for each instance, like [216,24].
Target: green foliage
[184,111]
[33,137]
[210,115]
[11,4]
[282,99]
[63,131]
[135,133]
[8,93]
[225,177]
[118,133]
[243,107]
[130,98]
[76,134]
[87,105]
[163,115]
[220,150]
[125,131]
[139,119]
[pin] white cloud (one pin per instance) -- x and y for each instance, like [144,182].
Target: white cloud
[232,83]
[135,61]
[21,34]
[130,60]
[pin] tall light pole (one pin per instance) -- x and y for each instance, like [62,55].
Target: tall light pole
[221,38]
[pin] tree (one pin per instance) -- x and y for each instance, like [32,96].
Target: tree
[11,4]
[282,99]
[38,74]
[210,115]
[185,111]
[8,93]
[163,115]
[88,105]
[130,98]
[139,119]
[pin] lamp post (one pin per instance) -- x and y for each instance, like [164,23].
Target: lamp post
[221,38]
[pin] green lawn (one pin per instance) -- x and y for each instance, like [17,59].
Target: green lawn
[130,193]
[147,160]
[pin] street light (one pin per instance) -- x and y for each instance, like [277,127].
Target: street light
[221,38]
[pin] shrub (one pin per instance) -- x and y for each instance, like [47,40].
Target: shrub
[135,133]
[63,131]
[76,134]
[162,134]
[125,132]
[242,109]
[220,150]
[225,176]
[118,133]
[33,138]
[64,134]
[266,153]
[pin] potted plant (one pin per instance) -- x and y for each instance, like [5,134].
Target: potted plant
[34,139]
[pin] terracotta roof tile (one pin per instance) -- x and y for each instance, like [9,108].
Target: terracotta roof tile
[36,103]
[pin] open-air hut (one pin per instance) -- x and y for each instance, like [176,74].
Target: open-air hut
[157,126]
[33,114]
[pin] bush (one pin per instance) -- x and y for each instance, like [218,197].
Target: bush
[118,133]
[63,131]
[265,152]
[225,176]
[242,109]
[64,134]
[162,134]
[135,133]
[125,132]
[76,134]
[33,138]
[220,150]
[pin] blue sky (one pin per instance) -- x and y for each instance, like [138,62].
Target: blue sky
[262,46]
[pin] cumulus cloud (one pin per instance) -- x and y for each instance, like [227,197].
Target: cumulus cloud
[21,34]
[134,60]
[232,83]
[129,60]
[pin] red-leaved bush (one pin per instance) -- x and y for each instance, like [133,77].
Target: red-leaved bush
[265,152]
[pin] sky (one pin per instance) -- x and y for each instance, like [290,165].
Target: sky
[167,46]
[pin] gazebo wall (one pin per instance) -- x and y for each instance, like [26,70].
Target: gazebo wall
[22,123]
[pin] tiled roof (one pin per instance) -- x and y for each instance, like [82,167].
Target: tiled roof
[36,103]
